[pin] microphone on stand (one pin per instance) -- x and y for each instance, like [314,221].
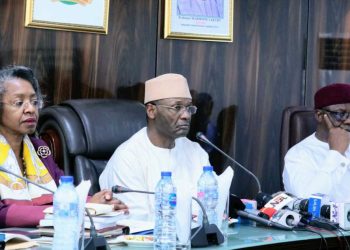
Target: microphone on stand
[204,235]
[285,220]
[95,241]
[200,136]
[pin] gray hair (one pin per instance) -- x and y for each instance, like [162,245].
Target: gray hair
[13,72]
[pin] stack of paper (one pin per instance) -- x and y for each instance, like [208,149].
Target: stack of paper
[107,232]
[103,216]
[17,241]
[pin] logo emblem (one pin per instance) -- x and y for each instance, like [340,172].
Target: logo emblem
[43,151]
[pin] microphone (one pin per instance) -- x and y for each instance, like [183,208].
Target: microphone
[285,209]
[200,136]
[262,199]
[286,217]
[288,210]
[95,241]
[238,207]
[281,200]
[301,204]
[339,212]
[119,189]
[204,235]
[278,202]
[326,211]
[262,221]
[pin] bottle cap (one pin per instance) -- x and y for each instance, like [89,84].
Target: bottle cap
[166,173]
[66,179]
[208,168]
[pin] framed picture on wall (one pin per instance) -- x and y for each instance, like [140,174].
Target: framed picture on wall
[71,15]
[209,20]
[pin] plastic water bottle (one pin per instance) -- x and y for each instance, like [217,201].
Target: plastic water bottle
[207,193]
[165,220]
[65,209]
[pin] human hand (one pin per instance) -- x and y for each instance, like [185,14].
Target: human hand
[338,138]
[106,197]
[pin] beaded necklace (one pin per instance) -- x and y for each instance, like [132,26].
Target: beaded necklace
[24,170]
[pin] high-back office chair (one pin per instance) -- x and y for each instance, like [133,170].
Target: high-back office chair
[84,133]
[298,122]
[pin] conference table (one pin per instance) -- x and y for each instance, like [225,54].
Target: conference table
[259,237]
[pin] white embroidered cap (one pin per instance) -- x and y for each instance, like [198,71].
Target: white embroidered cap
[166,86]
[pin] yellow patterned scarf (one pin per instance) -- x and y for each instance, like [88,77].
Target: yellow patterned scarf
[14,188]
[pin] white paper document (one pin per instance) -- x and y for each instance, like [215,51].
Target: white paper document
[224,184]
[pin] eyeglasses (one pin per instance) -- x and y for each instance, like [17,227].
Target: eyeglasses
[339,116]
[179,109]
[18,105]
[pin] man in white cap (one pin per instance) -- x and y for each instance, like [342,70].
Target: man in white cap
[161,146]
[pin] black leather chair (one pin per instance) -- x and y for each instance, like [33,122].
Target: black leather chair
[298,122]
[84,133]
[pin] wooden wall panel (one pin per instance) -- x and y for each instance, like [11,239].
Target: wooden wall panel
[241,87]
[84,65]
[257,75]
[328,18]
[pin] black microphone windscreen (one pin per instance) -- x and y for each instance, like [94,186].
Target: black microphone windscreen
[304,205]
[262,198]
[326,211]
[119,189]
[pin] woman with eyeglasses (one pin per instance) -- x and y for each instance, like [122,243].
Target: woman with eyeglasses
[321,162]
[22,204]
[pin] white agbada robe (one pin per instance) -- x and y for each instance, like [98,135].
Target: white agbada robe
[137,164]
[311,167]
